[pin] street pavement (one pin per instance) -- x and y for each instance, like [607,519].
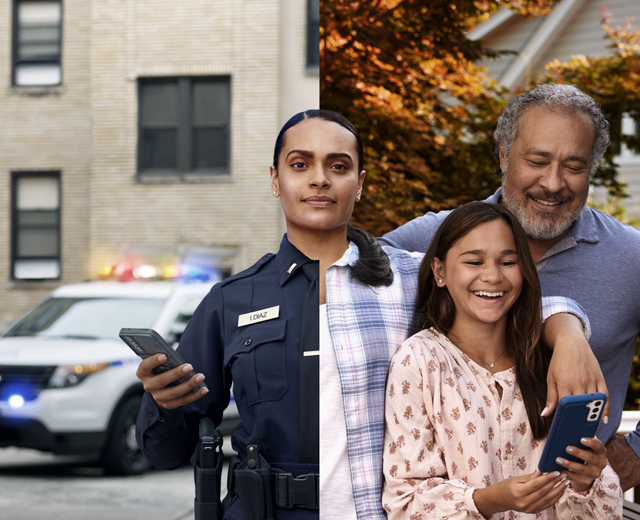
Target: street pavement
[40,486]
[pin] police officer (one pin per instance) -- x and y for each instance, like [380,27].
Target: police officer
[259,331]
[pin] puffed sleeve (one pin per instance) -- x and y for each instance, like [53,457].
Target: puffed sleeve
[169,437]
[603,502]
[414,470]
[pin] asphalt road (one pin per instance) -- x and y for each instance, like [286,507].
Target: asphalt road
[39,486]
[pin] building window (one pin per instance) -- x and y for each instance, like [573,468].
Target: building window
[37,42]
[615,132]
[620,127]
[185,125]
[313,33]
[35,229]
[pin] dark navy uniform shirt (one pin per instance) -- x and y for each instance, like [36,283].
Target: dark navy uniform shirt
[261,359]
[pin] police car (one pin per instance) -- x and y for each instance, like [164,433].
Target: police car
[67,381]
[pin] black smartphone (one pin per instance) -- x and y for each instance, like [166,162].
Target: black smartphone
[576,417]
[147,342]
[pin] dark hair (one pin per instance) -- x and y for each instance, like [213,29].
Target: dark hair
[327,115]
[373,266]
[435,307]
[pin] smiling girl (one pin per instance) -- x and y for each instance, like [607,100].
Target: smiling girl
[464,395]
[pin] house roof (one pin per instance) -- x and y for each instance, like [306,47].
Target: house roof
[536,39]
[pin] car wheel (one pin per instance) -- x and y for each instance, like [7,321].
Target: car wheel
[122,456]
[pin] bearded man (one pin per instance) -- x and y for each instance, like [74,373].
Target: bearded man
[548,143]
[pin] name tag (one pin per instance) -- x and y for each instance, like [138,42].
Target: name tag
[258,316]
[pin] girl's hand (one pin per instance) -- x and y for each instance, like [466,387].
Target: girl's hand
[157,385]
[527,493]
[583,475]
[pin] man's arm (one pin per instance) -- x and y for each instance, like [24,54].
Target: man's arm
[624,459]
[566,335]
[416,235]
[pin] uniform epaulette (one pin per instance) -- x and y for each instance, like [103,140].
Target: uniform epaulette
[250,271]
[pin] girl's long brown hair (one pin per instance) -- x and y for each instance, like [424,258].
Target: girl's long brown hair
[435,307]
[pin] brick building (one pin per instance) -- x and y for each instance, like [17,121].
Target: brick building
[129,127]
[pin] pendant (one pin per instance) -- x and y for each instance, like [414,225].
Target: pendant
[491,365]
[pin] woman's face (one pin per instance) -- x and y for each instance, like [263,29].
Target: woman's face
[482,273]
[317,178]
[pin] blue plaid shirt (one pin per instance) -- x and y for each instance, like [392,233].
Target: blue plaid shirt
[367,325]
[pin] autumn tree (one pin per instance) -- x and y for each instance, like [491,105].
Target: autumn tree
[404,72]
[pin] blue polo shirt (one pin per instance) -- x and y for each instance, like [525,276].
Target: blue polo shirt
[597,264]
[261,359]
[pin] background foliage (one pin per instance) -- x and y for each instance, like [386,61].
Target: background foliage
[403,72]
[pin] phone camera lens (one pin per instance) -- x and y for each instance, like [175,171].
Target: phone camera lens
[594,416]
[598,403]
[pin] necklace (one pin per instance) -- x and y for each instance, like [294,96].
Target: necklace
[491,365]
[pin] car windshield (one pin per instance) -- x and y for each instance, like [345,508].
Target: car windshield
[87,318]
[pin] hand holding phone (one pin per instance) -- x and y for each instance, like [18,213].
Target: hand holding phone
[582,474]
[577,418]
[168,379]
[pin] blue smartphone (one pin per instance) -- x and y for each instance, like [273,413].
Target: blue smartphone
[577,416]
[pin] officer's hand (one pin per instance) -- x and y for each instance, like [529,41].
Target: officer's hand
[169,397]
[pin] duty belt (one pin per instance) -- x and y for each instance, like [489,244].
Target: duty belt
[289,491]
[259,486]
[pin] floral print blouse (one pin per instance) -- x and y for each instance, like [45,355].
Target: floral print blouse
[448,432]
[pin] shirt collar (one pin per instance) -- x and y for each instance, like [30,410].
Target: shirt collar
[349,258]
[582,230]
[288,261]
[495,198]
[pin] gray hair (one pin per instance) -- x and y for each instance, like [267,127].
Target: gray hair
[564,96]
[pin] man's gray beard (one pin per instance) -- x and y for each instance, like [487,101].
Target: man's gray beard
[547,226]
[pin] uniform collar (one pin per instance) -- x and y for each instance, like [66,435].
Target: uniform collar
[288,261]
[582,230]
